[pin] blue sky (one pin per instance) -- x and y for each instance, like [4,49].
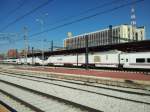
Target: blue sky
[58,10]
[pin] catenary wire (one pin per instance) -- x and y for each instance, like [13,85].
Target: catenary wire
[26,14]
[87,17]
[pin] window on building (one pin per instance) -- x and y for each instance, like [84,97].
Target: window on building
[128,29]
[136,36]
[83,41]
[116,33]
[92,43]
[102,34]
[99,42]
[128,35]
[75,41]
[141,37]
[113,32]
[140,60]
[90,40]
[78,42]
[118,30]
[97,38]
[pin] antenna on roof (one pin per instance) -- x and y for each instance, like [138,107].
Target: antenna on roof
[69,34]
[133,21]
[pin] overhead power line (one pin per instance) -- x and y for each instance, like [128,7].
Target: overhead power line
[88,17]
[9,37]
[84,18]
[86,11]
[13,11]
[26,14]
[16,9]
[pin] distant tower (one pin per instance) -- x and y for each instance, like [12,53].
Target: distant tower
[133,22]
[69,34]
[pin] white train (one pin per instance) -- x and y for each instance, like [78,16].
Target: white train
[114,58]
[135,60]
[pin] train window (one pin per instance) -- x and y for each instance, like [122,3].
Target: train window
[140,60]
[97,59]
[59,59]
[122,59]
[148,60]
[126,60]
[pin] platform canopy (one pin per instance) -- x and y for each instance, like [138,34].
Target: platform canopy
[125,47]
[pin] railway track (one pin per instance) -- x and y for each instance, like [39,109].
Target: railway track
[133,97]
[85,81]
[143,71]
[125,83]
[75,84]
[38,101]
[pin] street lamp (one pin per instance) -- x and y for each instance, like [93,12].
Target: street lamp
[41,21]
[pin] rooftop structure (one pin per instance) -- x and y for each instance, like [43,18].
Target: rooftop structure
[12,53]
[112,35]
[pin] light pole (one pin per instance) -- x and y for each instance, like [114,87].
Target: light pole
[26,45]
[41,21]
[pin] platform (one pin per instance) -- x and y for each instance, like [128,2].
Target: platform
[117,78]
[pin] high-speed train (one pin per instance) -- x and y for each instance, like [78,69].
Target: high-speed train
[113,58]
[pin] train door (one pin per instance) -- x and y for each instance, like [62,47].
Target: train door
[124,60]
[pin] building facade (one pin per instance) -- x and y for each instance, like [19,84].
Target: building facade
[1,57]
[12,53]
[111,35]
